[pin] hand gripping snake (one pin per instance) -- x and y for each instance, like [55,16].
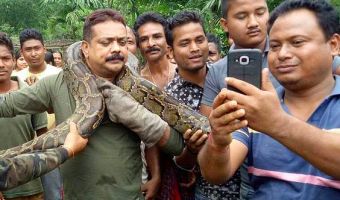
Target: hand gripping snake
[90,105]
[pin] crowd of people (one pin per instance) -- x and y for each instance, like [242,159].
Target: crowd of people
[275,142]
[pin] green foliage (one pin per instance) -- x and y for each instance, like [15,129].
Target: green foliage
[63,19]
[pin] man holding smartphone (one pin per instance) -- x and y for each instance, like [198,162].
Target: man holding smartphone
[245,21]
[290,136]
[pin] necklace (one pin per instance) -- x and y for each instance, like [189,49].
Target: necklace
[153,80]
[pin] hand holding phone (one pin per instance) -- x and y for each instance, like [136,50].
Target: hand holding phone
[246,65]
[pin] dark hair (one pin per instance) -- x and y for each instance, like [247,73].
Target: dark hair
[17,54]
[181,19]
[149,17]
[30,34]
[214,39]
[100,16]
[224,8]
[7,42]
[327,16]
[49,58]
[56,51]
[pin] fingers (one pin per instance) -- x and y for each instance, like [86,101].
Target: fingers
[224,108]
[266,82]
[73,128]
[220,98]
[243,86]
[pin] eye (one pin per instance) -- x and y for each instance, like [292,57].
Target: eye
[297,42]
[105,43]
[241,16]
[122,42]
[274,46]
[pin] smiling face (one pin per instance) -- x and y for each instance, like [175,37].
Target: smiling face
[152,41]
[246,22]
[300,56]
[6,63]
[190,46]
[107,52]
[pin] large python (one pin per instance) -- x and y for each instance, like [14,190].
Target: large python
[90,105]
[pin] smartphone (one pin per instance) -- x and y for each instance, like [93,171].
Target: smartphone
[246,65]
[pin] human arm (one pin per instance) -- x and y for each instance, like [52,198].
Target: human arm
[28,100]
[150,128]
[152,185]
[265,114]
[221,156]
[194,142]
[25,167]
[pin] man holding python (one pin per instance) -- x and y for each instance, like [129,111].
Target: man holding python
[110,166]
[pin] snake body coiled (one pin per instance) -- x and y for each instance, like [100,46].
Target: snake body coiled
[90,105]
[87,115]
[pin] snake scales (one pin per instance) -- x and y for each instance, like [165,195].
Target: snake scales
[90,105]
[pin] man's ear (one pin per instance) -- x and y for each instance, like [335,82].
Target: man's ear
[171,52]
[334,43]
[85,48]
[224,24]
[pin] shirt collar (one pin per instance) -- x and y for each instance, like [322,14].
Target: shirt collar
[183,81]
[336,90]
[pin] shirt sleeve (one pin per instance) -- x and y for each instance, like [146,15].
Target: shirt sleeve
[243,136]
[214,81]
[23,168]
[39,121]
[29,100]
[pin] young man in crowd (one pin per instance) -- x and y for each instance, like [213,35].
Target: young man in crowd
[290,135]
[33,50]
[214,45]
[110,167]
[151,30]
[19,129]
[189,48]
[245,21]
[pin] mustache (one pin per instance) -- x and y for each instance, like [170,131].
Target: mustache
[114,57]
[152,49]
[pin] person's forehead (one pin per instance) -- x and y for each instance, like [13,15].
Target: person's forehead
[4,51]
[236,6]
[32,43]
[189,30]
[212,46]
[56,54]
[150,28]
[109,29]
[296,22]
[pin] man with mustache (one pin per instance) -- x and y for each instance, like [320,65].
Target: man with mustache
[110,166]
[151,29]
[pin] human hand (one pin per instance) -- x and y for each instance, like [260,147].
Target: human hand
[194,141]
[74,143]
[31,79]
[2,197]
[262,107]
[191,181]
[150,188]
[224,119]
